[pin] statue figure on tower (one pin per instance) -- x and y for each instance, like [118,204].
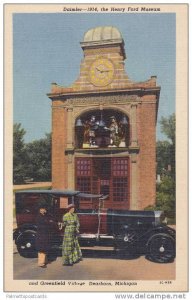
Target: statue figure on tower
[114,131]
[90,128]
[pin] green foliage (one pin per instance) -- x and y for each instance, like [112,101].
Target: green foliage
[163,153]
[167,185]
[166,149]
[31,160]
[165,194]
[168,127]
[19,154]
[39,159]
[165,197]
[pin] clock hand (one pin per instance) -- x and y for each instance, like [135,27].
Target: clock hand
[105,71]
[102,71]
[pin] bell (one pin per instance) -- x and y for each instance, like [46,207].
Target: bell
[101,123]
[124,120]
[79,123]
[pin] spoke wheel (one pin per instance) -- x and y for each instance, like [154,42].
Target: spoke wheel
[26,244]
[161,249]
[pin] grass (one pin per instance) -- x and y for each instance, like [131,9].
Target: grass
[33,188]
[171,221]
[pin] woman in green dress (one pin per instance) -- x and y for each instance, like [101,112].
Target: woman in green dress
[71,252]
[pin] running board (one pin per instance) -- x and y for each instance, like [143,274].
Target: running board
[98,248]
[95,236]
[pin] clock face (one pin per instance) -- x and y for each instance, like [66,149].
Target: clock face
[101,72]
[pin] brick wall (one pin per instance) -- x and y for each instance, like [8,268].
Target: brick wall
[147,154]
[59,165]
[115,55]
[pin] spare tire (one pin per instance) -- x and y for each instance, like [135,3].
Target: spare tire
[26,243]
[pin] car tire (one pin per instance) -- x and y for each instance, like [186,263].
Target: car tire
[26,244]
[161,248]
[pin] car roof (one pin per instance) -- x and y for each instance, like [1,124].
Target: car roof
[60,193]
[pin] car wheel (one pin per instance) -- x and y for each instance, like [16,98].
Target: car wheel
[26,244]
[161,249]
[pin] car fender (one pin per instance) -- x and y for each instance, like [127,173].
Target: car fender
[17,232]
[159,233]
[163,230]
[144,236]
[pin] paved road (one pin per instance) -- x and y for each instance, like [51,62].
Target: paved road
[96,265]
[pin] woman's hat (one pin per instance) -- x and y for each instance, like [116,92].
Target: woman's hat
[42,205]
[70,206]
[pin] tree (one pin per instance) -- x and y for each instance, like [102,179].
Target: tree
[168,127]
[32,160]
[166,149]
[165,198]
[165,195]
[39,159]
[165,158]
[19,154]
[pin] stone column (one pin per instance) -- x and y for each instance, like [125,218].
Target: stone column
[134,138]
[71,171]
[69,150]
[69,128]
[134,155]
[134,182]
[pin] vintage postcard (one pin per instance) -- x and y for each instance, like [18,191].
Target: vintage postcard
[96,116]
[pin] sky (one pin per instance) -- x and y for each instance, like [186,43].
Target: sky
[46,49]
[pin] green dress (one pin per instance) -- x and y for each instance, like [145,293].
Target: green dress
[71,251]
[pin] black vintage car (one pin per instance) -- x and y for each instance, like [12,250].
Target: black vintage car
[138,232]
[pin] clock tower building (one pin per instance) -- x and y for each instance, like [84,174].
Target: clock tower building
[103,127]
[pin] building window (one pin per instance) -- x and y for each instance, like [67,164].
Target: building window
[83,171]
[108,176]
[84,184]
[120,179]
[120,167]
[83,167]
[120,189]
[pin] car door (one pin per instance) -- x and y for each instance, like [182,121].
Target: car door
[89,221]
